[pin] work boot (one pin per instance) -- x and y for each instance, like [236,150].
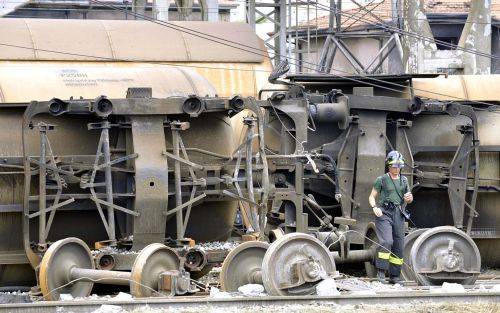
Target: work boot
[381,276]
[395,280]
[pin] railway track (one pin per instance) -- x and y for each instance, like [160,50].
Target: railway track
[262,303]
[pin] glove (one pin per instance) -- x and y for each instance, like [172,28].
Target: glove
[377,211]
[338,196]
[408,197]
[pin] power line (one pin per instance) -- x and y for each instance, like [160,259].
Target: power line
[187,30]
[411,34]
[177,65]
[201,34]
[170,25]
[129,60]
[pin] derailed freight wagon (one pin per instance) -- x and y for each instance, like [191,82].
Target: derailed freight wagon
[446,127]
[42,60]
[127,151]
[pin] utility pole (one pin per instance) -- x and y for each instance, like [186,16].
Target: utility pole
[160,9]
[139,7]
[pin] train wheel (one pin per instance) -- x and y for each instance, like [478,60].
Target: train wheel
[445,254]
[295,264]
[56,265]
[407,269]
[243,265]
[148,265]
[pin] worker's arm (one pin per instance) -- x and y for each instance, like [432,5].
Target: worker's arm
[372,199]
[408,196]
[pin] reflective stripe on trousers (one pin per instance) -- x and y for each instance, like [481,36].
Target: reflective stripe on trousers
[390,232]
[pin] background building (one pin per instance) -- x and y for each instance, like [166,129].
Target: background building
[216,10]
[365,30]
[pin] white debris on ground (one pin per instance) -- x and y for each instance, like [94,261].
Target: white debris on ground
[364,287]
[327,287]
[66,297]
[123,296]
[218,245]
[448,288]
[216,293]
[409,307]
[249,290]
[252,290]
[106,308]
[495,288]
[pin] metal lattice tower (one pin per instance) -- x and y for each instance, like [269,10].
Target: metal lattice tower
[286,16]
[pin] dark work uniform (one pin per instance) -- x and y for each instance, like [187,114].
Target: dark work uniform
[390,226]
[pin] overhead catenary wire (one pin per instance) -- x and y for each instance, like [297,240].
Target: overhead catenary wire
[408,33]
[104,58]
[151,6]
[261,53]
[378,86]
[204,35]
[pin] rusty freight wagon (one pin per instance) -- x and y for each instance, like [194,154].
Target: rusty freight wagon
[119,134]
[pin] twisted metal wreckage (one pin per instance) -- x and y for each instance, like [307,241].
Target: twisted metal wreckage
[139,180]
[154,170]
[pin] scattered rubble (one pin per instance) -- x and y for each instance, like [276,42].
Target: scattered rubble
[495,288]
[327,287]
[123,296]
[66,297]
[216,293]
[359,286]
[112,250]
[218,245]
[14,297]
[448,288]
[252,290]
[409,307]
[106,308]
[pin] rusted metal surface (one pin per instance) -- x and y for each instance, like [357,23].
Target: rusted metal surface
[68,267]
[162,161]
[243,265]
[56,266]
[176,283]
[149,264]
[443,254]
[302,261]
[151,180]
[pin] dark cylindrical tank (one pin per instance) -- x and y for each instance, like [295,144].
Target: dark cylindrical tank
[208,221]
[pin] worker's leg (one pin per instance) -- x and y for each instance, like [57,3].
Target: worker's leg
[398,235]
[383,226]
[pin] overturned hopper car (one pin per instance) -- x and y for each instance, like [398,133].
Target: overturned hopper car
[128,149]
[445,126]
[63,59]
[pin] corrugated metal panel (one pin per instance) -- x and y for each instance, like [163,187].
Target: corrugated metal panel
[126,40]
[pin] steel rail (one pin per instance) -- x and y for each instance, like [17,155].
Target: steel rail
[261,302]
